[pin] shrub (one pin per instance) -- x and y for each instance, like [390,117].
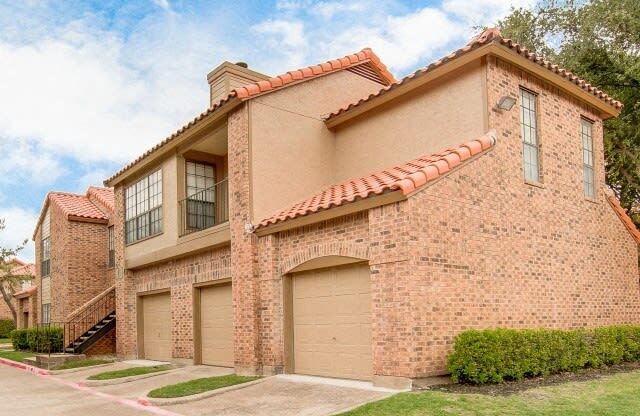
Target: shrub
[6,326]
[497,355]
[38,339]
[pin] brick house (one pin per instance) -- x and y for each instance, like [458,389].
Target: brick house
[298,227]
[27,272]
[75,256]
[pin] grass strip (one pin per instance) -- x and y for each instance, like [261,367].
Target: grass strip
[18,356]
[80,363]
[199,385]
[128,372]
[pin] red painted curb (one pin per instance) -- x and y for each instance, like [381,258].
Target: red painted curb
[22,366]
[144,401]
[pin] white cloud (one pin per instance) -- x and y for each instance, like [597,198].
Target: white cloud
[482,12]
[20,224]
[163,4]
[286,38]
[327,9]
[24,160]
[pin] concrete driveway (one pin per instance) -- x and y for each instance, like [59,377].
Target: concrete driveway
[24,394]
[284,396]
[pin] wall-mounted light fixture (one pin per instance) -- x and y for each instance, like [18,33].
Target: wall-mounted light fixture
[505,103]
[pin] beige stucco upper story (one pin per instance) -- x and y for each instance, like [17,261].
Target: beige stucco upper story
[295,152]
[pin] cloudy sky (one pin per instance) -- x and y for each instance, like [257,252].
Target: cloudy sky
[85,86]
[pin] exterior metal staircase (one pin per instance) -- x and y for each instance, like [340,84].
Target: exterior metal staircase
[92,321]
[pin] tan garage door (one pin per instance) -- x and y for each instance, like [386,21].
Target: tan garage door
[157,326]
[216,320]
[332,322]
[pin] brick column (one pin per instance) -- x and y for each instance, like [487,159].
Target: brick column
[243,247]
[126,318]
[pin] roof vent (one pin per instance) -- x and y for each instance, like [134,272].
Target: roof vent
[242,64]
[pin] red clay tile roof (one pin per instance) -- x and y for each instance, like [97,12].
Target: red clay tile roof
[25,270]
[28,291]
[104,195]
[289,78]
[74,205]
[80,206]
[484,38]
[622,214]
[407,178]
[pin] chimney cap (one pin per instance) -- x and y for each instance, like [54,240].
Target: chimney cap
[242,64]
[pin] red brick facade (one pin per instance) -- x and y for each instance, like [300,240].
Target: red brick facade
[476,248]
[78,256]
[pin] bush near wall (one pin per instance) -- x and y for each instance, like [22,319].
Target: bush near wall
[497,355]
[6,326]
[39,339]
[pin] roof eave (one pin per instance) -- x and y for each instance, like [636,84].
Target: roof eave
[188,132]
[333,212]
[493,48]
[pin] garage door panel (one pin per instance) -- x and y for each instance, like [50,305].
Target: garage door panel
[332,322]
[216,325]
[156,312]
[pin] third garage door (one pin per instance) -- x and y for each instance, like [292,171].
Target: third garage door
[332,322]
[216,320]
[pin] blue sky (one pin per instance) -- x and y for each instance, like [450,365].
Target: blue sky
[86,86]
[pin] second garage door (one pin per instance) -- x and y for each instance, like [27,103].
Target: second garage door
[157,326]
[216,320]
[332,322]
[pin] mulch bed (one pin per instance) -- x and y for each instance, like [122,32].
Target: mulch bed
[513,387]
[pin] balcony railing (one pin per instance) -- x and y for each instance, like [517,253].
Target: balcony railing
[204,209]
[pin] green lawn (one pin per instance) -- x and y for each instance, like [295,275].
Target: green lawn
[134,371]
[5,340]
[199,385]
[617,395]
[16,355]
[80,363]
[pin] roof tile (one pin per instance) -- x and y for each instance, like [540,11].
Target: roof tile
[486,37]
[622,214]
[248,91]
[407,178]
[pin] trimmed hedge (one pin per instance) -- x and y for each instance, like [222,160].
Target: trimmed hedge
[497,355]
[6,326]
[39,339]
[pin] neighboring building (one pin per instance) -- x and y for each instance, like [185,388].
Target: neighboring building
[74,256]
[296,226]
[27,273]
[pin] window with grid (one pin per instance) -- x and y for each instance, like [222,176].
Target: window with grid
[200,195]
[529,131]
[45,246]
[46,313]
[143,208]
[111,262]
[586,128]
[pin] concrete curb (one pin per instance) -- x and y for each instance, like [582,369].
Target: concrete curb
[75,370]
[122,380]
[22,366]
[151,401]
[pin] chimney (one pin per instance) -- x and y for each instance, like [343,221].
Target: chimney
[228,76]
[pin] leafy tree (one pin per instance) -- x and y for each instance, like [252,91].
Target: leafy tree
[8,281]
[600,41]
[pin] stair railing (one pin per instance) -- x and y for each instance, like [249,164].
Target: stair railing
[88,315]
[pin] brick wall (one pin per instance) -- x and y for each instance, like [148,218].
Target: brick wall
[5,312]
[488,250]
[104,346]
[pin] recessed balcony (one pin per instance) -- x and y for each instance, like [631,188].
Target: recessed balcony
[204,209]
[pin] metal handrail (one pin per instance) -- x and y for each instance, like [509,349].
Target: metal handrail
[204,209]
[86,319]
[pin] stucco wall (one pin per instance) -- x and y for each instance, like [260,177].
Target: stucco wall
[437,115]
[169,233]
[292,151]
